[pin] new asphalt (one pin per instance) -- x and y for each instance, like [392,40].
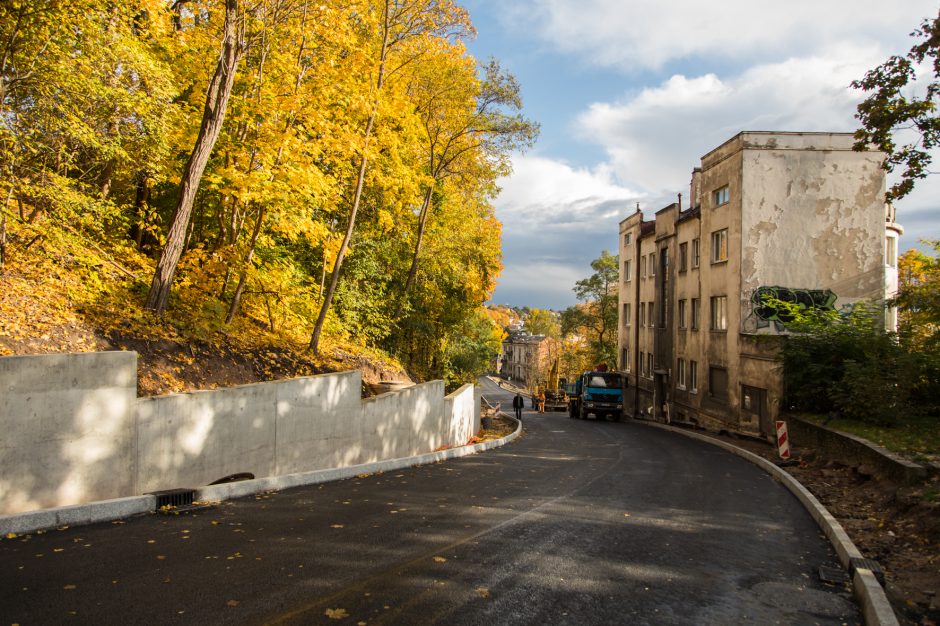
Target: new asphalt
[575,522]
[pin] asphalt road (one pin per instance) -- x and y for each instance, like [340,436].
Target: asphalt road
[576,522]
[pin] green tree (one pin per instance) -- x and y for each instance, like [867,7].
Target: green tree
[892,106]
[543,322]
[595,319]
[845,362]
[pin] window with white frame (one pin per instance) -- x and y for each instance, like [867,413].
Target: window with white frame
[628,239]
[720,246]
[721,196]
[696,252]
[719,310]
[649,364]
[642,314]
[681,314]
[626,314]
[680,373]
[683,256]
[696,313]
[642,267]
[652,269]
[626,271]
[693,376]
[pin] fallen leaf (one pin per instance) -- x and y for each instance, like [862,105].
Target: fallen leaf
[11,535]
[440,559]
[69,587]
[232,603]
[483,592]
[336,526]
[336,613]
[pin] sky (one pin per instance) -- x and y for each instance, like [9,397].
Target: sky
[631,93]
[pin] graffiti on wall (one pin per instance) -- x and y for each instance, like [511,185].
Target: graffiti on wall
[764,302]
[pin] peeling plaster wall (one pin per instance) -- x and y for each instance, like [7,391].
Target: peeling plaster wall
[73,430]
[812,219]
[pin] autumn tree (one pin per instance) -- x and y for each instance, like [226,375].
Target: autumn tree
[543,322]
[596,317]
[468,126]
[397,24]
[216,103]
[893,111]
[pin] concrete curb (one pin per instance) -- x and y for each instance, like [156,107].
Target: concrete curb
[876,609]
[109,510]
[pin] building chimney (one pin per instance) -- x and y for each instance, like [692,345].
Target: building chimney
[695,195]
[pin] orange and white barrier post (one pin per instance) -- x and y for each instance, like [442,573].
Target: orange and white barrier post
[783,441]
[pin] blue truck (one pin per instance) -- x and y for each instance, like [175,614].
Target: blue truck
[599,393]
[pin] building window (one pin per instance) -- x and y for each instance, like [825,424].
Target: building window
[681,313]
[696,252]
[626,272]
[683,256]
[649,364]
[626,314]
[642,364]
[718,383]
[650,317]
[719,313]
[693,376]
[680,373]
[891,252]
[695,313]
[642,314]
[642,267]
[652,264]
[721,196]
[720,246]
[625,359]
[628,239]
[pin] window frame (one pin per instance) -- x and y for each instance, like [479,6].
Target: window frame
[693,377]
[718,311]
[626,313]
[719,246]
[680,373]
[683,256]
[680,315]
[695,313]
[721,196]
[712,370]
[696,258]
[627,271]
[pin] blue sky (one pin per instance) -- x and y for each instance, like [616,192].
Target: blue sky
[631,93]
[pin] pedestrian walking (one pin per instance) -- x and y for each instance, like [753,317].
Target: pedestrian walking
[541,402]
[517,404]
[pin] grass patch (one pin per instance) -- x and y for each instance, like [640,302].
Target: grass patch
[917,436]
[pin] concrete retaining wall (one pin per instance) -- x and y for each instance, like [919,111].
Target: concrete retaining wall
[72,429]
[855,452]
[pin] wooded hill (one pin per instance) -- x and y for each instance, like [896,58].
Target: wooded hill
[252,176]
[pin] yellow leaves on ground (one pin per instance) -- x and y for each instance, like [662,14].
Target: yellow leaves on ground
[336,613]
[483,592]
[440,559]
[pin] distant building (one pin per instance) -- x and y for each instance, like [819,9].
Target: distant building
[799,216]
[522,354]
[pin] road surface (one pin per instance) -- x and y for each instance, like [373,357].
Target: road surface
[576,522]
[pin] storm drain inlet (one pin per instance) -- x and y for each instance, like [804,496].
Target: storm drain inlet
[174,497]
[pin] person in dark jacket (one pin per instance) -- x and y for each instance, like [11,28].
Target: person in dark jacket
[517,404]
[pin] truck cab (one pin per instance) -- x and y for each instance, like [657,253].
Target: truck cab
[599,393]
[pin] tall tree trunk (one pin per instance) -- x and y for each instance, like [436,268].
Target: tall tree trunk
[422,220]
[357,196]
[217,96]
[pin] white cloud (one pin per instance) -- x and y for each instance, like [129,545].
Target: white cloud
[653,138]
[635,35]
[545,193]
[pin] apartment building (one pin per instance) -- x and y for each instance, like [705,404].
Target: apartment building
[800,216]
[522,355]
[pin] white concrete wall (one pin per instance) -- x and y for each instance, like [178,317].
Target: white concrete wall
[73,431]
[67,429]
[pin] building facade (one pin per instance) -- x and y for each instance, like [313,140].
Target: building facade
[522,355]
[800,217]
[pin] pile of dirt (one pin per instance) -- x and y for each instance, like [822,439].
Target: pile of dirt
[896,525]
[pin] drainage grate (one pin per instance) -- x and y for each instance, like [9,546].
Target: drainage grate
[857,562]
[174,497]
[833,575]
